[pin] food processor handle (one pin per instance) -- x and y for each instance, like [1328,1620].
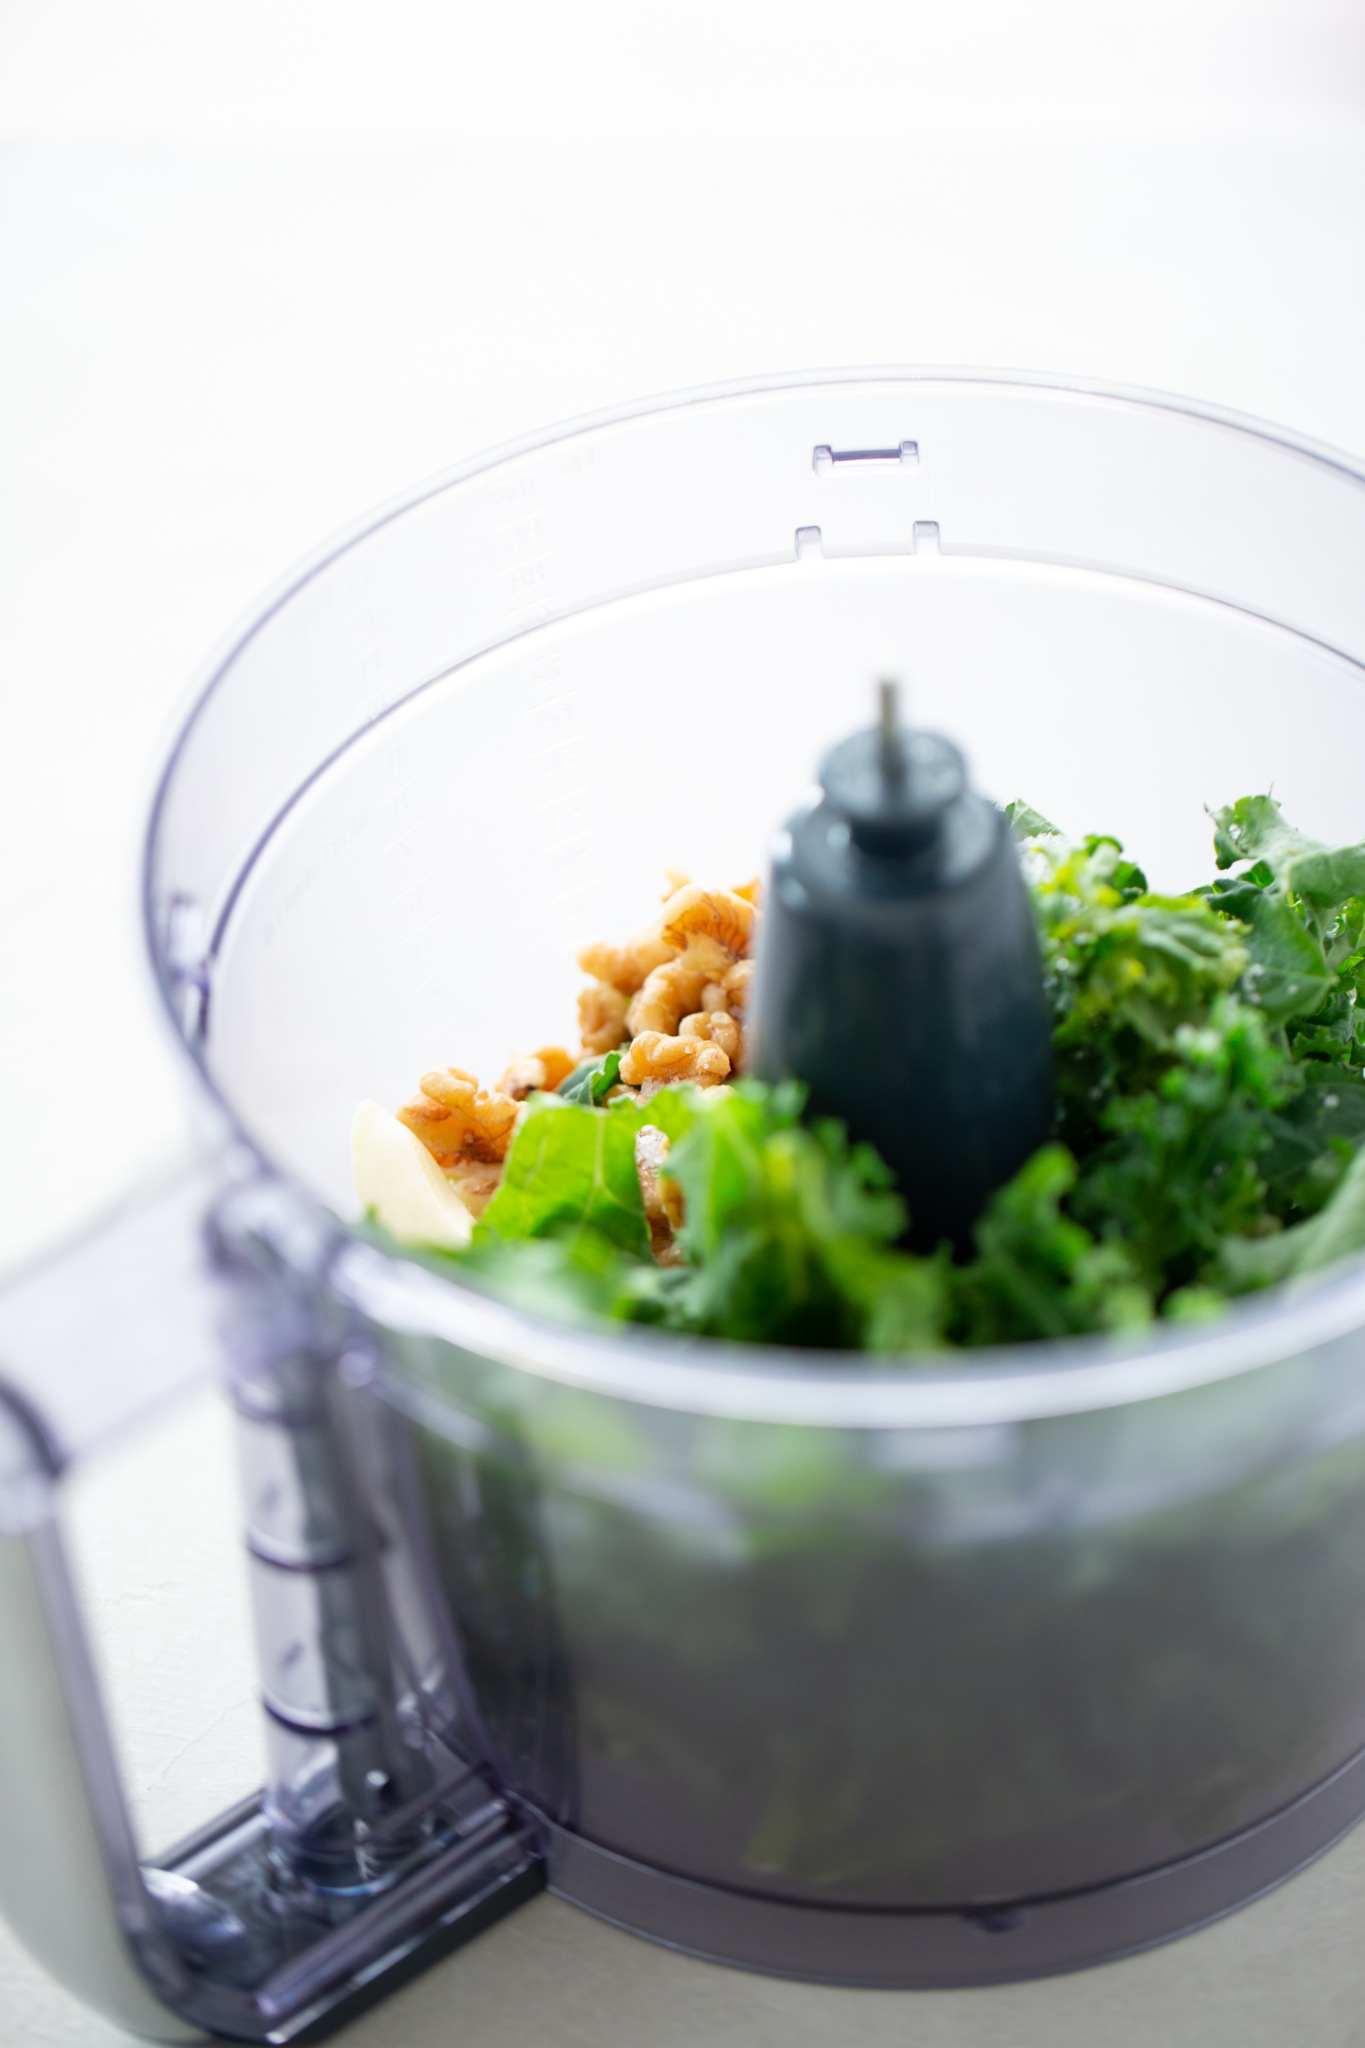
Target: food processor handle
[377,1844]
[91,1342]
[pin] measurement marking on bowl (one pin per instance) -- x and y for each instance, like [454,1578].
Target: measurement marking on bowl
[420,883]
[566,845]
[576,892]
[561,823]
[418,988]
[522,537]
[525,579]
[559,758]
[402,838]
[411,937]
[825,458]
[552,711]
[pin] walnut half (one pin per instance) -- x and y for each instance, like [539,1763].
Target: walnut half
[457,1119]
[475,1181]
[662,1198]
[674,989]
[658,1057]
[601,1017]
[721,1029]
[625,967]
[719,914]
[542,1070]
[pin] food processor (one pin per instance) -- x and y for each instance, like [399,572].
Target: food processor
[898,1672]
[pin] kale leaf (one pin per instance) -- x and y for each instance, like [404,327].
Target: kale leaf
[1254,829]
[591,1079]
[1026,823]
[1336,1232]
[789,1233]
[1040,1273]
[580,1277]
[569,1169]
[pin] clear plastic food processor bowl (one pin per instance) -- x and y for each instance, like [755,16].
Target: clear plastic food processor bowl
[919,1674]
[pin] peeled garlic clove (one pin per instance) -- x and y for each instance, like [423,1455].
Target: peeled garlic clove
[400,1184]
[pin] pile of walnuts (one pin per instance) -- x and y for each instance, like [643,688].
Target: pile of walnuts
[671,1000]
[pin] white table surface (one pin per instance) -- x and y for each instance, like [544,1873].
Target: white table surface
[263,265]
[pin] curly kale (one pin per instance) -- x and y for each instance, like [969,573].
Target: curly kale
[1210,1063]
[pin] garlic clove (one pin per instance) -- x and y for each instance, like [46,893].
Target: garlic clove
[401,1186]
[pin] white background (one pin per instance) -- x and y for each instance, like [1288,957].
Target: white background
[263,264]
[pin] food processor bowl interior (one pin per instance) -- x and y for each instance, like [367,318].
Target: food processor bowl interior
[471,738]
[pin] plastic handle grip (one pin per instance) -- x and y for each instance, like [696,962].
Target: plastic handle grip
[376,1846]
[91,1342]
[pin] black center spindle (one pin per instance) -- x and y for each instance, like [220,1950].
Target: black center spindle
[899,976]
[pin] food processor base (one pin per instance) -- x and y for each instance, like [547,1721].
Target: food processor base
[944,1947]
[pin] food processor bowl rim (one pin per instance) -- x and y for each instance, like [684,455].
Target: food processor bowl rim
[988,1387]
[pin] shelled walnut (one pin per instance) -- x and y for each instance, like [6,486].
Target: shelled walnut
[671,1000]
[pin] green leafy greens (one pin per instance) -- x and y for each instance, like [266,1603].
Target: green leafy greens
[1210,1054]
[591,1080]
